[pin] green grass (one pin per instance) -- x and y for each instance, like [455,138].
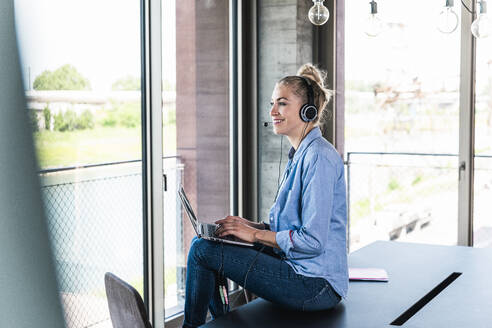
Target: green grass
[393,184]
[98,145]
[416,180]
[361,208]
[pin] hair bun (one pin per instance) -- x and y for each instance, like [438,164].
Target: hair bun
[312,72]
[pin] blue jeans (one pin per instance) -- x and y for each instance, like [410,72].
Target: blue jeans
[270,278]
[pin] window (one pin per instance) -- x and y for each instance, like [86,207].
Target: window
[81,63]
[402,124]
[482,223]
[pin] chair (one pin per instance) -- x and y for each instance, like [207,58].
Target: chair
[126,307]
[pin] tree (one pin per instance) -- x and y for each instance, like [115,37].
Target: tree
[64,78]
[126,83]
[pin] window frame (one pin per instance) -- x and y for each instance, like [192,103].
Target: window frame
[466,129]
[153,202]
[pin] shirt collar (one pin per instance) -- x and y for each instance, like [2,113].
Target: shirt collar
[292,152]
[313,134]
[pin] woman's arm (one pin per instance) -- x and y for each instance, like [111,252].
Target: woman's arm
[259,226]
[266,237]
[246,230]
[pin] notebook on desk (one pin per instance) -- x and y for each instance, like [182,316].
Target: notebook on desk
[368,274]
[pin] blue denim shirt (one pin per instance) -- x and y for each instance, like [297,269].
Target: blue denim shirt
[310,212]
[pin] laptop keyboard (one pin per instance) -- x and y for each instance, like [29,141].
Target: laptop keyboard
[211,229]
[211,232]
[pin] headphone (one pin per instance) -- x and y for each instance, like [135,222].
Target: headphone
[308,111]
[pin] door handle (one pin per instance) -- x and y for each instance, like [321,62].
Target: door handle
[461,168]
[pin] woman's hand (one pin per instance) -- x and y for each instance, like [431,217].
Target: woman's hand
[237,226]
[259,226]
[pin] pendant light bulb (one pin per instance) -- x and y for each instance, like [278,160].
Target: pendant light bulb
[318,14]
[448,19]
[481,27]
[374,24]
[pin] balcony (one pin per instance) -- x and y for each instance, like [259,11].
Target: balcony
[95,222]
[412,197]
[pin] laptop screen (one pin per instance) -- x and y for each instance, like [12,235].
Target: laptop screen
[188,209]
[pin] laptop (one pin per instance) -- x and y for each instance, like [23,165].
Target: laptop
[207,230]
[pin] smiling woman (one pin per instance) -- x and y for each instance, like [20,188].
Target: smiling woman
[300,260]
[306,101]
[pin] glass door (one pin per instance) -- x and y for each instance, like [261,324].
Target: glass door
[482,207]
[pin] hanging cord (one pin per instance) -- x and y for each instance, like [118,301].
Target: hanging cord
[246,276]
[222,282]
[303,134]
[466,7]
[279,165]
[233,300]
[280,162]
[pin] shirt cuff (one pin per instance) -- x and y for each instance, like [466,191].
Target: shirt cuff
[284,241]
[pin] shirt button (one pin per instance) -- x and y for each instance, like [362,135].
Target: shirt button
[271,218]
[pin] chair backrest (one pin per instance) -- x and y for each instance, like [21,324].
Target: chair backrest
[126,307]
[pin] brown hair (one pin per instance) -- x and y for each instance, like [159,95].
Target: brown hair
[316,77]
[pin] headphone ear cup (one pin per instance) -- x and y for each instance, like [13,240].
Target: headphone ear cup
[308,113]
[302,111]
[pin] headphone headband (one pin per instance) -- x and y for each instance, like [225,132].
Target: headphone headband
[309,88]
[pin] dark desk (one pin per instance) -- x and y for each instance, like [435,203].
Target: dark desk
[414,270]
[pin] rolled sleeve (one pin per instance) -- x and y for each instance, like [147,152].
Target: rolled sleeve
[284,241]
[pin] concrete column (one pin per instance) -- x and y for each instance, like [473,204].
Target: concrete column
[285,38]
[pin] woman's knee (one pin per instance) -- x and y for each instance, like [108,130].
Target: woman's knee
[199,250]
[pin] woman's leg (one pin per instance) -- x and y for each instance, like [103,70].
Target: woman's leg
[267,276]
[202,293]
[200,284]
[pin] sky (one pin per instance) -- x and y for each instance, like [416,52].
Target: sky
[419,49]
[412,49]
[101,38]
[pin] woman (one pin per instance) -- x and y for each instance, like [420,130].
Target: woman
[302,263]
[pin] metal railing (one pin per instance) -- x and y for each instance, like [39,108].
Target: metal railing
[393,195]
[94,215]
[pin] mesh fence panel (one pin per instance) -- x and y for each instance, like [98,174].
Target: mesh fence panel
[95,227]
[407,197]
